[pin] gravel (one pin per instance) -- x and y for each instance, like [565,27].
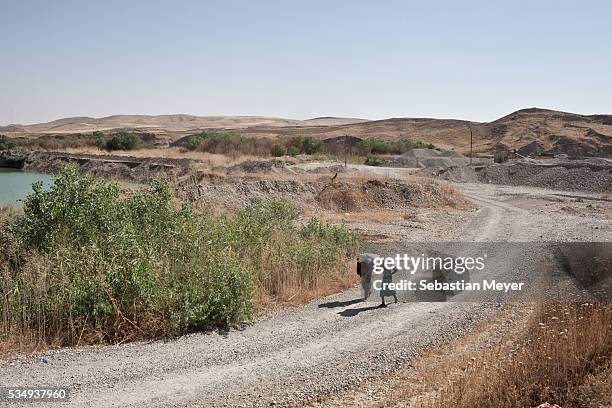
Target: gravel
[569,175]
[297,354]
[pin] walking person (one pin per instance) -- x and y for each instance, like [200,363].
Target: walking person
[365,267]
[384,290]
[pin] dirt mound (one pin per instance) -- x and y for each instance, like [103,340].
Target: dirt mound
[422,153]
[431,161]
[341,196]
[336,168]
[458,174]
[400,161]
[451,153]
[136,169]
[259,167]
[580,176]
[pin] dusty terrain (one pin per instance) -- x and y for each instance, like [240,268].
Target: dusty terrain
[532,130]
[302,354]
[177,123]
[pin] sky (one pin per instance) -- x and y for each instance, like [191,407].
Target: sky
[475,60]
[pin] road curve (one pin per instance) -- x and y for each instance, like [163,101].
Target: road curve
[295,354]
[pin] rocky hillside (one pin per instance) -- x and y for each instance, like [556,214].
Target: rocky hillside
[531,131]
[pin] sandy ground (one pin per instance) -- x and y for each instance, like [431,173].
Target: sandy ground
[299,354]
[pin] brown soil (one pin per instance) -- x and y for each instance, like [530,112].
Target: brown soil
[532,130]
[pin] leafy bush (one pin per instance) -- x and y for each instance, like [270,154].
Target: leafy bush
[304,144]
[88,261]
[123,141]
[293,151]
[373,161]
[6,143]
[229,143]
[399,146]
[311,145]
[278,150]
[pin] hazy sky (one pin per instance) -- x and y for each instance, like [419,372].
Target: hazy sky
[299,59]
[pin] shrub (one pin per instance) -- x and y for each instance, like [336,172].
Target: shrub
[311,145]
[278,150]
[6,143]
[304,144]
[293,151]
[86,261]
[373,161]
[194,142]
[399,146]
[229,143]
[124,141]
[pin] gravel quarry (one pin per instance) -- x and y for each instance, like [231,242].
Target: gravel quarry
[300,354]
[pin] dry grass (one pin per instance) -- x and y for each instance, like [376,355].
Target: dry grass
[295,294]
[557,353]
[563,345]
[509,360]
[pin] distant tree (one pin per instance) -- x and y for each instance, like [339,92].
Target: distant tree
[6,143]
[311,145]
[279,150]
[124,141]
[293,151]
[373,161]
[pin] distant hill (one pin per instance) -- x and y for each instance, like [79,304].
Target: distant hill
[169,123]
[530,130]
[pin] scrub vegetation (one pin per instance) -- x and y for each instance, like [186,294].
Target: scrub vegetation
[558,353]
[6,143]
[86,263]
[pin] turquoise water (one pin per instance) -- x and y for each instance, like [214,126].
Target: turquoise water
[15,185]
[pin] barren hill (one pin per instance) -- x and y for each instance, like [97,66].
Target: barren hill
[529,130]
[166,123]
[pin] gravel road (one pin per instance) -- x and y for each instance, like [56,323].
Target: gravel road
[296,354]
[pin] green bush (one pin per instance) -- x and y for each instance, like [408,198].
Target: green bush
[311,145]
[278,150]
[303,144]
[373,161]
[6,143]
[194,142]
[229,143]
[293,151]
[87,258]
[123,141]
[399,146]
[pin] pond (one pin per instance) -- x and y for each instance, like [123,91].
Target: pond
[15,185]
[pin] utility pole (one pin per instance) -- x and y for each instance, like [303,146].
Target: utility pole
[471,154]
[346,149]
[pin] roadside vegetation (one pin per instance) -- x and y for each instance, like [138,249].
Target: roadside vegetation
[88,264]
[560,353]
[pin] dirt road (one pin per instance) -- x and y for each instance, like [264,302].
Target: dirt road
[296,354]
